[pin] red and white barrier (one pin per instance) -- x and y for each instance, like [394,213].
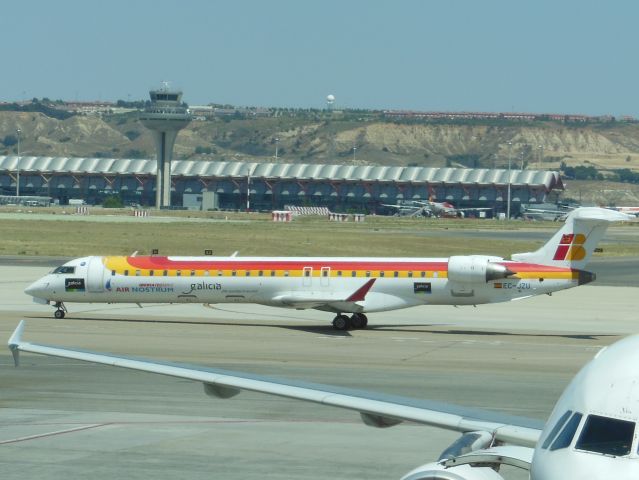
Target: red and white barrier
[81,210]
[281,215]
[140,213]
[338,217]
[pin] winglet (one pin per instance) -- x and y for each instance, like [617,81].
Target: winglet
[360,293]
[14,342]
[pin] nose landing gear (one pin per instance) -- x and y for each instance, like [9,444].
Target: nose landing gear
[61,310]
[355,321]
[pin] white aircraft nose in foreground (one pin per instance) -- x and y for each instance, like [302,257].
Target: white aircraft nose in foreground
[343,286]
[590,435]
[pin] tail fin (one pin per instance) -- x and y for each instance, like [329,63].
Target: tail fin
[574,243]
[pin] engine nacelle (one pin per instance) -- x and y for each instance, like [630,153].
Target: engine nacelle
[476,269]
[436,471]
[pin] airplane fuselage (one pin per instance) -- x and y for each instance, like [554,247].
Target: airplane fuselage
[321,283]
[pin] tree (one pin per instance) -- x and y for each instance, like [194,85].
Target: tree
[114,201]
[10,140]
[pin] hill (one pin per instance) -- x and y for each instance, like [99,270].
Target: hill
[348,139]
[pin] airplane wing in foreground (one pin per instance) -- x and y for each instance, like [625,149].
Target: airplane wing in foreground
[378,410]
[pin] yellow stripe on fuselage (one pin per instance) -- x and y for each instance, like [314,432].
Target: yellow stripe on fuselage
[120,266]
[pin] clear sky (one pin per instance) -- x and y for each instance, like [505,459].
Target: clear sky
[502,55]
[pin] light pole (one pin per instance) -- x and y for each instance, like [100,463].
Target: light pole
[277,141]
[18,132]
[541,155]
[354,150]
[510,154]
[248,188]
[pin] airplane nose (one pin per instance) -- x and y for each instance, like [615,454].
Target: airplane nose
[36,289]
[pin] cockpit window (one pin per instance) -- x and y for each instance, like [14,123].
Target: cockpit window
[564,439]
[609,436]
[64,269]
[555,430]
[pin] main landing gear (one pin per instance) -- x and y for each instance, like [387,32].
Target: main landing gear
[61,310]
[355,321]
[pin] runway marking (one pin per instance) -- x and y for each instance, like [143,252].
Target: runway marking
[51,434]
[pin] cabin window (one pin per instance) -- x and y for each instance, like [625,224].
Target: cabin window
[564,439]
[395,274]
[247,273]
[260,273]
[219,273]
[207,273]
[382,273]
[193,273]
[609,436]
[165,272]
[178,273]
[234,273]
[353,273]
[286,273]
[137,273]
[307,272]
[422,274]
[368,274]
[555,430]
[113,273]
[410,274]
[151,272]
[325,272]
[272,273]
[339,273]
[126,273]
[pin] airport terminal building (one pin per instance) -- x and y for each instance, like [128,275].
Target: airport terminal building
[271,186]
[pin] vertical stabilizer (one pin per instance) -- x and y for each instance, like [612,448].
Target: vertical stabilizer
[573,244]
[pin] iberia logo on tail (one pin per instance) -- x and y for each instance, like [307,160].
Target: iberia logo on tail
[571,247]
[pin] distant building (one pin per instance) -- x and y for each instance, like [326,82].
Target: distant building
[88,108]
[341,188]
[410,114]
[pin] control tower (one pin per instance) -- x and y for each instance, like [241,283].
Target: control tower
[165,117]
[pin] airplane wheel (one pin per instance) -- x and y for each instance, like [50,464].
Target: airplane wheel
[341,322]
[359,320]
[59,314]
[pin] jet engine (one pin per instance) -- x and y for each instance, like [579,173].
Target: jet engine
[437,471]
[476,269]
[473,456]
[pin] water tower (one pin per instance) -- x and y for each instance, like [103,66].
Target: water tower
[165,117]
[330,102]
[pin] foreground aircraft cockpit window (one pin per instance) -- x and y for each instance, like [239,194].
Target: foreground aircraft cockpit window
[64,269]
[609,436]
[564,439]
[555,430]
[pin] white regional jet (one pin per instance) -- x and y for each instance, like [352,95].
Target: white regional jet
[340,285]
[591,434]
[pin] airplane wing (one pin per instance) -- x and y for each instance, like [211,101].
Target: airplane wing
[474,209]
[378,410]
[311,299]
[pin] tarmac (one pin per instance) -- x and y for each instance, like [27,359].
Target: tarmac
[66,419]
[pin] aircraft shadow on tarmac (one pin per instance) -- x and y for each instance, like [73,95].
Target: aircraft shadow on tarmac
[328,330]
